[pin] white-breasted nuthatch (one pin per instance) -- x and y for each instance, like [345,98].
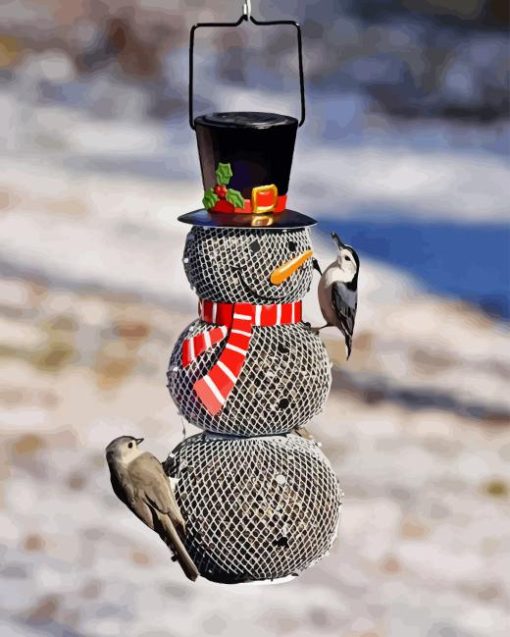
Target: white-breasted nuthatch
[338,291]
[138,480]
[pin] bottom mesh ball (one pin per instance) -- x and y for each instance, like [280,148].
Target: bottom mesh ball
[255,508]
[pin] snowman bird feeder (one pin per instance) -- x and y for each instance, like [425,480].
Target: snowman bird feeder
[260,502]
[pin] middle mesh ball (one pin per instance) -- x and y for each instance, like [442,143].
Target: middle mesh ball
[284,382]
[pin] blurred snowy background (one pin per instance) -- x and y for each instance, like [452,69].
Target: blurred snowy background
[405,153]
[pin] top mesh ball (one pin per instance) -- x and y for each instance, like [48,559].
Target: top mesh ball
[230,265]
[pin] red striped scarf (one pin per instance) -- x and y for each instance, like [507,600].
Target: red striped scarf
[234,321]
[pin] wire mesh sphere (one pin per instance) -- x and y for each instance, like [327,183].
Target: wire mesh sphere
[284,382]
[229,265]
[255,508]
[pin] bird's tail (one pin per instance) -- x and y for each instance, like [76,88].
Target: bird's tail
[348,345]
[171,538]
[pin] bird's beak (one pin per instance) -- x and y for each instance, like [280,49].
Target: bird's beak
[287,269]
[139,441]
[337,240]
[316,266]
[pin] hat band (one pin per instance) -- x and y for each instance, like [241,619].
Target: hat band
[279,205]
[223,198]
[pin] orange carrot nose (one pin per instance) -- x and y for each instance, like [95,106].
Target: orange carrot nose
[283,271]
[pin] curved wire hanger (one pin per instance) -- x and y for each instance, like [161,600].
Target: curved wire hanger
[245,16]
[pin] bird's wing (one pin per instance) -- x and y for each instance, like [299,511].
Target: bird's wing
[345,314]
[143,511]
[123,489]
[149,474]
[156,493]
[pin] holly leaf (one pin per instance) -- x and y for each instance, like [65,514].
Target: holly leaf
[223,174]
[210,199]
[235,198]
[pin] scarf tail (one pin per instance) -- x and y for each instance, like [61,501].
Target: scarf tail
[214,388]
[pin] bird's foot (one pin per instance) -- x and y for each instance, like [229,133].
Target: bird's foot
[304,433]
[313,330]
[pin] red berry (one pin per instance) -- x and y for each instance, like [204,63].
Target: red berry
[220,190]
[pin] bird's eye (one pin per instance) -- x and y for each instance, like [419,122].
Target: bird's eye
[130,445]
[254,246]
[347,258]
[292,246]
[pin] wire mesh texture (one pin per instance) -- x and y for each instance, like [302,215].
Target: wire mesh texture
[234,264]
[255,508]
[284,382]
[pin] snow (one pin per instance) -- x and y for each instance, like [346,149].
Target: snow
[429,185]
[416,425]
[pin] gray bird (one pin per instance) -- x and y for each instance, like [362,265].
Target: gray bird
[138,479]
[338,291]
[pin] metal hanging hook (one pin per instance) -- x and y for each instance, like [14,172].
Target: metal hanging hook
[246,16]
[247,9]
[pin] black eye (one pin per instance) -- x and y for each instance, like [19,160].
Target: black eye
[254,246]
[130,445]
[292,246]
[347,258]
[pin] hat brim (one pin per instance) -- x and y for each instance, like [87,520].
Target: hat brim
[268,221]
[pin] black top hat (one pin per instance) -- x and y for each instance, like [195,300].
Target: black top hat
[245,160]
